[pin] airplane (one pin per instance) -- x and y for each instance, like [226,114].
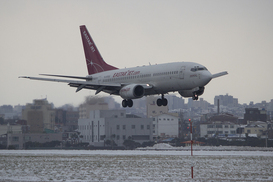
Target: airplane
[187,78]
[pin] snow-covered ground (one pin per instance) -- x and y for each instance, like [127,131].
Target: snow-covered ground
[135,165]
[165,146]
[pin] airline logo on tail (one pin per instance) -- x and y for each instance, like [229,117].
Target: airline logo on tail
[95,66]
[94,61]
[88,41]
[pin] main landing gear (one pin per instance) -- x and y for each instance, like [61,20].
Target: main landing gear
[127,102]
[162,101]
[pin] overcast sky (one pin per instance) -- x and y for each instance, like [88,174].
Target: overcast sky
[44,37]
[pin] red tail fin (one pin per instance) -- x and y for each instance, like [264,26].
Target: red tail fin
[94,61]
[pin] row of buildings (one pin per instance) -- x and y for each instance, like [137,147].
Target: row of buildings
[255,123]
[117,126]
[97,121]
[93,122]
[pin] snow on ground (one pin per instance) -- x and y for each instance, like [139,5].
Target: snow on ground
[135,165]
[165,146]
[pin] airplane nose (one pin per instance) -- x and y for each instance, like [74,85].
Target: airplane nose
[206,77]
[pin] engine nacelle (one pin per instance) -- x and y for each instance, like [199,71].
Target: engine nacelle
[133,91]
[190,93]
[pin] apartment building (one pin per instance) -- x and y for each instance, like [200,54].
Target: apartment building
[40,116]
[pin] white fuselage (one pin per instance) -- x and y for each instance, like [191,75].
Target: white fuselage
[168,77]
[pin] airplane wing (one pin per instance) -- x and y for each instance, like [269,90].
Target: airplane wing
[111,88]
[80,84]
[219,74]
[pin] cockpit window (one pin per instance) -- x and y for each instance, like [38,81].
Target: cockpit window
[197,68]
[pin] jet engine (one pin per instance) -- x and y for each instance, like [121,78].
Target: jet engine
[194,93]
[132,91]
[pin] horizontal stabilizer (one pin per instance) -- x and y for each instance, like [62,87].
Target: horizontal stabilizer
[73,82]
[48,79]
[219,74]
[64,76]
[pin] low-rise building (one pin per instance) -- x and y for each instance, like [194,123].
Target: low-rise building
[16,129]
[255,128]
[152,108]
[224,124]
[18,140]
[166,126]
[211,129]
[115,126]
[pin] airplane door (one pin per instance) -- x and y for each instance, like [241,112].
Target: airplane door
[181,72]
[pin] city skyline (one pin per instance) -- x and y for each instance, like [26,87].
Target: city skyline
[118,101]
[43,37]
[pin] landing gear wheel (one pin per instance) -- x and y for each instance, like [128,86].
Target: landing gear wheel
[159,102]
[164,102]
[129,103]
[124,103]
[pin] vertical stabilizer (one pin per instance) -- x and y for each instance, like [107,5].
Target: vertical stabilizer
[94,61]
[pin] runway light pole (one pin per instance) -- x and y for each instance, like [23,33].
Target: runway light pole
[191,147]
[191,136]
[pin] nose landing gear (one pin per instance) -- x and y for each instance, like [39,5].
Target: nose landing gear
[162,102]
[195,97]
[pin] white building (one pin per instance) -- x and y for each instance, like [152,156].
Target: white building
[220,128]
[256,128]
[166,125]
[113,125]
[222,125]
[15,129]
